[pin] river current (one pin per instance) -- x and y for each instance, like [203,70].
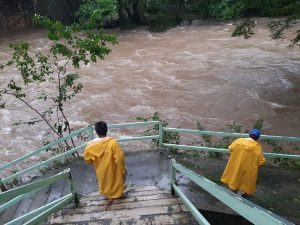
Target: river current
[188,74]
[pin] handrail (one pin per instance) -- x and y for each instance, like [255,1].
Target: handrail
[57,157]
[225,151]
[152,137]
[194,211]
[17,199]
[22,192]
[46,213]
[134,124]
[245,208]
[15,195]
[159,137]
[228,134]
[45,147]
[6,196]
[41,164]
[82,130]
[37,212]
[91,135]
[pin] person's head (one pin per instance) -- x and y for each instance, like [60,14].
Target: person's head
[254,134]
[101,128]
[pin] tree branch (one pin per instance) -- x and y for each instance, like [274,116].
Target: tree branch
[32,108]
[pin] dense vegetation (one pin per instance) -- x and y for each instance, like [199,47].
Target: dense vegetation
[161,14]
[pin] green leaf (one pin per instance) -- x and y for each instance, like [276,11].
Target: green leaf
[244,29]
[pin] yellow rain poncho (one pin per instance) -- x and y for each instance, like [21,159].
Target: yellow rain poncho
[109,162]
[242,167]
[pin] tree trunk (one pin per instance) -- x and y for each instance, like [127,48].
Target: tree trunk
[139,8]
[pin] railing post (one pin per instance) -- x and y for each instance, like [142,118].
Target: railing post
[91,132]
[73,189]
[173,175]
[160,133]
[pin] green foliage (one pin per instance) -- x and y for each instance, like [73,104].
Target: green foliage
[220,9]
[156,7]
[51,68]
[244,29]
[227,9]
[245,9]
[14,182]
[208,140]
[259,124]
[214,142]
[168,137]
[231,9]
[95,12]
[278,148]
[278,27]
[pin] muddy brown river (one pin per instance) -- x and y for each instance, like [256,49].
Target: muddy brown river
[188,74]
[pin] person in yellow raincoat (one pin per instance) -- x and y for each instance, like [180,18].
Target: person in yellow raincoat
[109,162]
[241,170]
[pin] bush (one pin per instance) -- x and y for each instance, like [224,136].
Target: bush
[97,11]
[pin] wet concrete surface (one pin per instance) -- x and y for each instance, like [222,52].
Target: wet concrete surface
[143,168]
[277,188]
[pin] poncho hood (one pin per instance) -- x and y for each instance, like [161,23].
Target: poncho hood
[98,147]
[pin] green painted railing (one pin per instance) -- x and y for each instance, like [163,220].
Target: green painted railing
[159,137]
[46,147]
[247,209]
[241,206]
[227,134]
[36,216]
[88,129]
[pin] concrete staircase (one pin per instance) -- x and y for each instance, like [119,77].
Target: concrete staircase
[143,205]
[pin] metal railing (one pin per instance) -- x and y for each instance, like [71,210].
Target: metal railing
[90,131]
[38,215]
[158,137]
[247,209]
[227,134]
[241,206]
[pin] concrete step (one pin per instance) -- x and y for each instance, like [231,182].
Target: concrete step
[143,205]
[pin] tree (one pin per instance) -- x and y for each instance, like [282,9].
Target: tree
[73,46]
[135,10]
[105,11]
[97,12]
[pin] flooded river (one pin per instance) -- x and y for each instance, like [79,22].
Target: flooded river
[188,74]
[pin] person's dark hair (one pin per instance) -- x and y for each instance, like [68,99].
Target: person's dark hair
[101,128]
